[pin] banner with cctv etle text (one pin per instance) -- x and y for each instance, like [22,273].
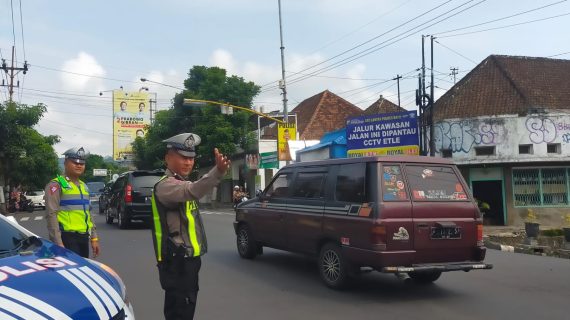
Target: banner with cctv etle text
[383,134]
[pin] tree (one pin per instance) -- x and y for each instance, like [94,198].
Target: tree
[27,158]
[226,132]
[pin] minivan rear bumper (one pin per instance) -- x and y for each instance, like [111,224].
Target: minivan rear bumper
[459,266]
[459,259]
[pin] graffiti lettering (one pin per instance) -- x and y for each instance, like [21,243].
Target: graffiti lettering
[462,136]
[541,130]
[566,137]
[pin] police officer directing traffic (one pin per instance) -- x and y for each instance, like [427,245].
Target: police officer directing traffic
[68,218]
[178,232]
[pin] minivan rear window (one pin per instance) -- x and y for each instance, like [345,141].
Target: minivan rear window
[434,183]
[145,181]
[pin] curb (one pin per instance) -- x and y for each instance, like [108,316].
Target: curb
[564,254]
[496,246]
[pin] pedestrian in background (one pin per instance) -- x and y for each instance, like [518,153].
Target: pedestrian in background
[68,217]
[178,232]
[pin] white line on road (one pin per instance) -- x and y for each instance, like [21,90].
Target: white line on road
[38,218]
[25,219]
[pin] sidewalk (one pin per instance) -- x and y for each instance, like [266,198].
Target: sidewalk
[513,239]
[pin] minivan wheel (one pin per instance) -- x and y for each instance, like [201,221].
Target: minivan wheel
[122,220]
[333,267]
[425,277]
[246,244]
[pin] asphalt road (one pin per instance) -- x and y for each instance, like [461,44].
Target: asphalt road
[281,285]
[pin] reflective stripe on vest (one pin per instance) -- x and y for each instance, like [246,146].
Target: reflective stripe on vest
[157,226]
[73,214]
[190,206]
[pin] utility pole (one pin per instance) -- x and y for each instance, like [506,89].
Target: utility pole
[423,95]
[431,106]
[10,72]
[454,71]
[398,77]
[282,83]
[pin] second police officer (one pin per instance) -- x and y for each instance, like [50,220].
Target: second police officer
[68,218]
[178,233]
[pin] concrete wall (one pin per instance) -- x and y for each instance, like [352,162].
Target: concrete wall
[506,133]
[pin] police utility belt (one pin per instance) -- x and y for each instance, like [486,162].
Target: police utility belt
[176,250]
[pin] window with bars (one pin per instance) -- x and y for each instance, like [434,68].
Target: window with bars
[541,187]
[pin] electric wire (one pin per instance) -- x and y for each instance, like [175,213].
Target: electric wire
[379,46]
[372,39]
[500,19]
[559,54]
[506,26]
[457,53]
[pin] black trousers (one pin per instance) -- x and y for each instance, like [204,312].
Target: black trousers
[179,279]
[76,242]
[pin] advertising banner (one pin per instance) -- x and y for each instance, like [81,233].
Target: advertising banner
[131,113]
[285,132]
[383,134]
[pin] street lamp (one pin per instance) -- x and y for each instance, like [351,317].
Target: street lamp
[111,90]
[160,83]
[203,103]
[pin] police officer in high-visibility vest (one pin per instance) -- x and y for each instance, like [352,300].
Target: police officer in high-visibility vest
[178,232]
[68,218]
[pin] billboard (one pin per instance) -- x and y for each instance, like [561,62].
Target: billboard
[285,132]
[383,134]
[131,113]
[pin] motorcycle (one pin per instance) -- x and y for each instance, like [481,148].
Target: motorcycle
[23,205]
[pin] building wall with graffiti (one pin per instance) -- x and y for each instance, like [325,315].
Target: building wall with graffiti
[548,135]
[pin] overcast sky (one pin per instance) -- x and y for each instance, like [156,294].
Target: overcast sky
[116,43]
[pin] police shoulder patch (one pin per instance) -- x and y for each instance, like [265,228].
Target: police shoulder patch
[54,187]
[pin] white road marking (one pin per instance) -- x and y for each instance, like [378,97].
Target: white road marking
[32,301]
[38,218]
[25,219]
[217,213]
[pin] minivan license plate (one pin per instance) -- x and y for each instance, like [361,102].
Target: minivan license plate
[446,233]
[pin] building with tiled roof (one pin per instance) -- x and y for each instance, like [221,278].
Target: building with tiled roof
[383,105]
[507,126]
[322,113]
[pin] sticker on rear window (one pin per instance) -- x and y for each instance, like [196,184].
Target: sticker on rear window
[393,186]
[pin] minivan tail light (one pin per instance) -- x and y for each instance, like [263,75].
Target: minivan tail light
[378,237]
[128,193]
[479,234]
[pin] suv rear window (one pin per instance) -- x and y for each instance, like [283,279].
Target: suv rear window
[432,183]
[145,180]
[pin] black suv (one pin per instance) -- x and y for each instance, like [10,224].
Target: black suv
[130,197]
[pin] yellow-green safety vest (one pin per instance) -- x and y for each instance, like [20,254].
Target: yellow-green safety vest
[193,223]
[73,214]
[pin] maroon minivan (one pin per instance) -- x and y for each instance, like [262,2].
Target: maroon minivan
[401,215]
